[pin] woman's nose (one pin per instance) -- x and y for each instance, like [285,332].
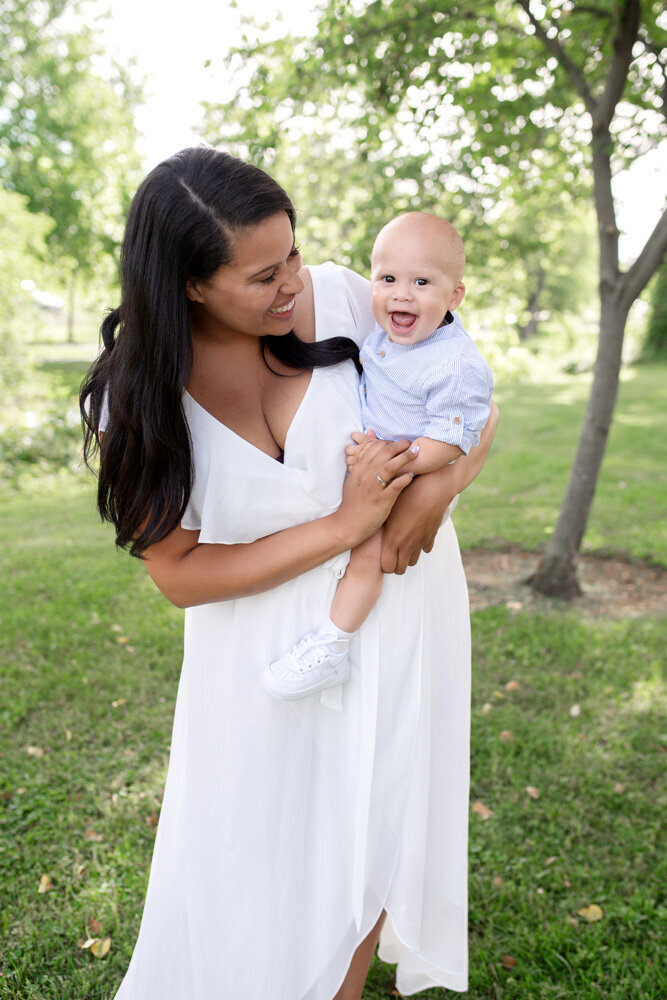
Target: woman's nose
[292,284]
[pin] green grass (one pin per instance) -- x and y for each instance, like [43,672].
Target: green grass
[519,493]
[100,709]
[90,656]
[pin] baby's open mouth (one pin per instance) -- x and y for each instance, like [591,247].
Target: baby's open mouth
[402,322]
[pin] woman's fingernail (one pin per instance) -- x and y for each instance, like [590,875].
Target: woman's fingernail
[415,449]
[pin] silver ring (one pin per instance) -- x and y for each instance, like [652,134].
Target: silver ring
[381,481]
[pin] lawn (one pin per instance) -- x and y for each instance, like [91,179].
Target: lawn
[572,710]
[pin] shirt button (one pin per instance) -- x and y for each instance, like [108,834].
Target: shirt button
[382,353]
[457,420]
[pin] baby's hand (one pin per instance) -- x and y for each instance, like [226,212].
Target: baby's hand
[353,452]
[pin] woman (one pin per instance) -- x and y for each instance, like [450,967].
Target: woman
[287,830]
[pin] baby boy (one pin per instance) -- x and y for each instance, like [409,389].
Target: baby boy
[423,379]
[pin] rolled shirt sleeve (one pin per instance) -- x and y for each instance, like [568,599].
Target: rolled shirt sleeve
[458,402]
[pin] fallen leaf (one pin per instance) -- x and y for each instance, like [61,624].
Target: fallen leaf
[151,820]
[572,921]
[497,882]
[94,927]
[533,792]
[508,962]
[591,914]
[486,708]
[91,834]
[619,788]
[575,711]
[506,737]
[551,860]
[512,686]
[99,947]
[45,884]
[118,702]
[116,628]
[68,735]
[481,810]
[122,639]
[513,605]
[35,751]
[498,694]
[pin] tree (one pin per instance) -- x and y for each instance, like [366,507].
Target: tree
[67,134]
[19,262]
[499,96]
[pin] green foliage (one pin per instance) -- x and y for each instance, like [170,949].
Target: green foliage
[67,135]
[19,261]
[655,345]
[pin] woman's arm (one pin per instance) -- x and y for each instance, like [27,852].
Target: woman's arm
[416,516]
[190,573]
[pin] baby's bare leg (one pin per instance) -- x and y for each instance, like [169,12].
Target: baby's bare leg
[359,589]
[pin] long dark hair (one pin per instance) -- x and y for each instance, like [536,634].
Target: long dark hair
[179,226]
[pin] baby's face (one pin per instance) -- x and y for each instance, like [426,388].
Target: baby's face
[412,283]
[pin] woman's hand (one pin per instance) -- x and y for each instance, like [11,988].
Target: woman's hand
[376,479]
[413,523]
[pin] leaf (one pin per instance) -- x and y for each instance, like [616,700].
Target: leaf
[122,639]
[481,810]
[619,788]
[100,948]
[591,914]
[512,686]
[506,737]
[486,708]
[532,791]
[68,734]
[94,927]
[35,751]
[45,884]
[575,711]
[118,702]
[497,882]
[151,820]
[508,962]
[93,835]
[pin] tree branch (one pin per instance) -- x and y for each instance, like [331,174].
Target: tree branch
[555,47]
[624,40]
[636,278]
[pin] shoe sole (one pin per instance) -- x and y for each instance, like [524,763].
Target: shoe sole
[267,681]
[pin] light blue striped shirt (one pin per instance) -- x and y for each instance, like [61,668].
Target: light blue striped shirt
[439,388]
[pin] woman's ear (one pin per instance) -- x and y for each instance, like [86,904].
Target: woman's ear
[192,290]
[457,296]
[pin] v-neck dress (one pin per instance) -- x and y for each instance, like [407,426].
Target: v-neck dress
[286,827]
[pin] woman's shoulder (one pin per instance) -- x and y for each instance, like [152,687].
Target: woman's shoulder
[341,302]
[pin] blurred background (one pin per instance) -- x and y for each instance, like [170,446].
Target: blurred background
[538,128]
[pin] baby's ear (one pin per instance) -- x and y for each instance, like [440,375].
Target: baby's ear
[457,296]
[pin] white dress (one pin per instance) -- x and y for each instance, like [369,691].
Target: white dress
[287,827]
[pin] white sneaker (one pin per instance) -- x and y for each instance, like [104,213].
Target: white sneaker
[309,666]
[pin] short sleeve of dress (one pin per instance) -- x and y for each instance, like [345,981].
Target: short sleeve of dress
[342,303]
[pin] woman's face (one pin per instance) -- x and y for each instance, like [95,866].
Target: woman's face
[255,293]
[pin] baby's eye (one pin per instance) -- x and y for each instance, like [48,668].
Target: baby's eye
[389,279]
[421,281]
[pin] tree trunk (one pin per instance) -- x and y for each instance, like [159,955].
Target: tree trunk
[556,572]
[529,329]
[71,300]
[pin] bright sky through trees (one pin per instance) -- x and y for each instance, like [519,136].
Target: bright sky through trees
[173,42]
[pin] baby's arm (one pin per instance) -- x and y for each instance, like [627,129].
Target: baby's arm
[433,455]
[430,455]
